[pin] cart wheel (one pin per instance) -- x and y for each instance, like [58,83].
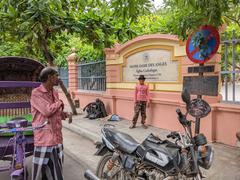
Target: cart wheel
[26,175]
[18,178]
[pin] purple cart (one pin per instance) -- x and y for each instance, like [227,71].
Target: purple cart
[18,76]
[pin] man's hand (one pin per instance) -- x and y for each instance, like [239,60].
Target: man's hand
[67,115]
[148,104]
[62,106]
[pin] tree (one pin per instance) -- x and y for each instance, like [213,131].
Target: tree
[233,15]
[130,10]
[188,15]
[38,22]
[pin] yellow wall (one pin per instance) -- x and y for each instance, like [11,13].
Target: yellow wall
[178,51]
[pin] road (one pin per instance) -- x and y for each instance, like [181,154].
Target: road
[79,156]
[73,170]
[225,165]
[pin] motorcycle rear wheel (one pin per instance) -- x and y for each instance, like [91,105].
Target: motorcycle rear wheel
[116,172]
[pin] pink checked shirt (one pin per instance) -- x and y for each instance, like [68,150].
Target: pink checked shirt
[141,93]
[46,106]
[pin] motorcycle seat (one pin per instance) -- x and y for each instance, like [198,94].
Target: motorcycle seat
[121,141]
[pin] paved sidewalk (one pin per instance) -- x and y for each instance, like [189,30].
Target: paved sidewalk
[92,128]
[226,165]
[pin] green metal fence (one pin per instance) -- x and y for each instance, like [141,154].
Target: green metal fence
[92,76]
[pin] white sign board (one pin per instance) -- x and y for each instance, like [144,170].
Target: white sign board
[155,65]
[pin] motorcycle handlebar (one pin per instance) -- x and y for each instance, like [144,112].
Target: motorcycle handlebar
[182,118]
[180,114]
[173,135]
[21,129]
[169,136]
[3,126]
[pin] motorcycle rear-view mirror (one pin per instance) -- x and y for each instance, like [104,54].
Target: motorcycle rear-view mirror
[186,96]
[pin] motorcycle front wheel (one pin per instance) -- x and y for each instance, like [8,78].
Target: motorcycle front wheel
[116,173]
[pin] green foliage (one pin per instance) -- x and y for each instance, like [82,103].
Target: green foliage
[62,48]
[12,49]
[188,15]
[38,23]
[20,48]
[233,15]
[48,29]
[233,29]
[230,28]
[130,10]
[152,23]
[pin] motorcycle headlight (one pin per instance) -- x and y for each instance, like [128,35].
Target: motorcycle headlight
[205,156]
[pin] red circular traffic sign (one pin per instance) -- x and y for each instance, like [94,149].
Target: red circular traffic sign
[202,45]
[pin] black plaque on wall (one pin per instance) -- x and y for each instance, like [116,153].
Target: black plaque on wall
[200,69]
[206,85]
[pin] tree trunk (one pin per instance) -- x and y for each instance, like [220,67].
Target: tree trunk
[68,96]
[48,56]
[46,53]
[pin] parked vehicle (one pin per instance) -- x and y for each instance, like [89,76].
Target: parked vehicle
[123,158]
[18,147]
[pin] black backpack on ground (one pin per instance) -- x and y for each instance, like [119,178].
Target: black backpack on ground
[95,110]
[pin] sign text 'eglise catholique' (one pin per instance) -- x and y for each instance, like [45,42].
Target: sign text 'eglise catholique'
[155,65]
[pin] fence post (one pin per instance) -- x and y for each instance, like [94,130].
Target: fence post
[233,64]
[72,71]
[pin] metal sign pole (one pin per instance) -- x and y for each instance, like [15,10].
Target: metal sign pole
[197,125]
[200,48]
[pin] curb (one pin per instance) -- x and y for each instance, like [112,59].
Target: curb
[82,132]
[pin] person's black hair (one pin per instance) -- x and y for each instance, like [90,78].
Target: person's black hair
[44,74]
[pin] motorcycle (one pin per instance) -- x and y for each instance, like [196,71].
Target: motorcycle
[178,157]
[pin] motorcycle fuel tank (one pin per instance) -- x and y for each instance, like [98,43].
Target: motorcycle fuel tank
[164,155]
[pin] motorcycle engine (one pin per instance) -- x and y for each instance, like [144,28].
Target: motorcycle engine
[150,173]
[160,154]
[129,163]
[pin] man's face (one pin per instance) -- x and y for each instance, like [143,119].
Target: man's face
[141,81]
[54,79]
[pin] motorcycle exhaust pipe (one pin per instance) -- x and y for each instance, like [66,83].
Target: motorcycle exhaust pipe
[90,176]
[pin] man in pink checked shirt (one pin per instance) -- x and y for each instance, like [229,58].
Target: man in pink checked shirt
[48,142]
[141,100]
